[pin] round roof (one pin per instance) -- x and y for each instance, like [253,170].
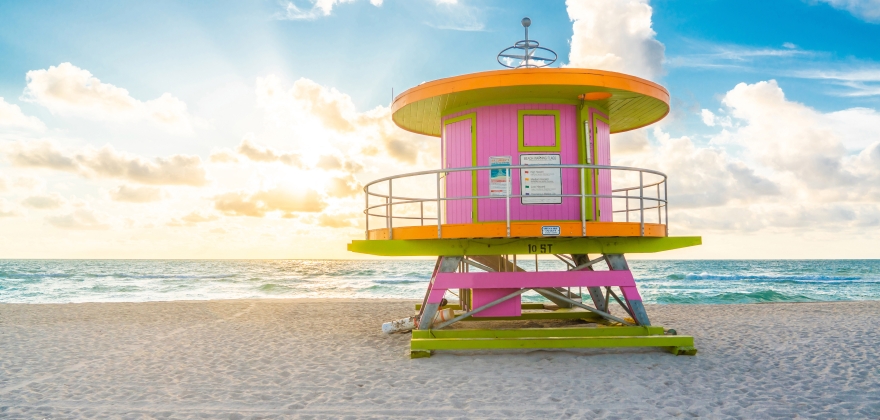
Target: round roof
[633,102]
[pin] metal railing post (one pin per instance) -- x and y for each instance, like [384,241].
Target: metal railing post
[507,198]
[642,203]
[583,205]
[666,205]
[422,212]
[367,213]
[659,220]
[627,205]
[390,212]
[439,214]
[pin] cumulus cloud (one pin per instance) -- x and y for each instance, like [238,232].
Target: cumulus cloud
[615,35]
[69,90]
[80,219]
[329,117]
[257,153]
[106,162]
[12,117]
[135,194]
[258,204]
[344,186]
[787,136]
[335,220]
[192,219]
[6,209]
[319,8]
[793,167]
[867,10]
[700,177]
[44,202]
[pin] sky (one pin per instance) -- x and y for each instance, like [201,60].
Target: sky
[247,129]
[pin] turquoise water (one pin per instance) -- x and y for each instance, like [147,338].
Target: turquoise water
[56,281]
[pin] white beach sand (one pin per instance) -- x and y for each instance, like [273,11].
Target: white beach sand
[328,359]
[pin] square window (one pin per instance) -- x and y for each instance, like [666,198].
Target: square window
[539,130]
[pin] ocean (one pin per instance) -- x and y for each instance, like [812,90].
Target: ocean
[664,282]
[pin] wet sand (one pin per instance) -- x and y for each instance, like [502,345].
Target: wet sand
[328,359]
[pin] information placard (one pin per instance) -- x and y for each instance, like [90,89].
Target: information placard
[499,179]
[537,184]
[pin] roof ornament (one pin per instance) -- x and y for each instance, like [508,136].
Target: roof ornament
[528,57]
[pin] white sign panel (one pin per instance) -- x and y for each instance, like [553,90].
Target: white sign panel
[550,231]
[499,179]
[537,184]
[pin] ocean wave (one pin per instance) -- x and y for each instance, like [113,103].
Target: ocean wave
[761,296]
[767,277]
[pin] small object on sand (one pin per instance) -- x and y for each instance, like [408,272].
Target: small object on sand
[401,325]
[443,316]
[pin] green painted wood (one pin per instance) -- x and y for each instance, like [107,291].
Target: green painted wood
[521,246]
[541,332]
[458,307]
[541,314]
[550,342]
[419,354]
[683,351]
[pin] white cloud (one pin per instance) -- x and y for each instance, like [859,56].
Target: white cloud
[284,200]
[70,90]
[106,162]
[192,219]
[867,10]
[135,194]
[80,219]
[328,122]
[44,202]
[708,117]
[615,36]
[6,209]
[319,8]
[257,153]
[12,117]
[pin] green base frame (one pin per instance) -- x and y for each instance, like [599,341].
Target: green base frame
[521,246]
[425,342]
[532,311]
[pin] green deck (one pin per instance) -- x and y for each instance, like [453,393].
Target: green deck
[424,342]
[520,246]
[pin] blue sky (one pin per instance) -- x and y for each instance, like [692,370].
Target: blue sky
[214,58]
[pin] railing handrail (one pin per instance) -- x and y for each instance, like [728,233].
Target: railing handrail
[390,200]
[479,168]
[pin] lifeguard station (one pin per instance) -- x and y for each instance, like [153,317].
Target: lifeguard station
[526,171]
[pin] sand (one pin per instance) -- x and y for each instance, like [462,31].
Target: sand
[328,359]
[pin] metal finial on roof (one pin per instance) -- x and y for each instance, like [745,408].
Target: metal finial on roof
[527,58]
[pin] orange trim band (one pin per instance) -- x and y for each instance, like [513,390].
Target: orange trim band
[520,230]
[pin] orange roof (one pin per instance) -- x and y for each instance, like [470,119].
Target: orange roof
[633,102]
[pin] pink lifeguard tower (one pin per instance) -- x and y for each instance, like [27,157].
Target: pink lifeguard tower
[527,171]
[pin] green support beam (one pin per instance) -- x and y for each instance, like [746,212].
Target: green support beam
[678,341]
[520,246]
[541,332]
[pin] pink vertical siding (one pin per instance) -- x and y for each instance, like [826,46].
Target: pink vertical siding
[459,184]
[498,135]
[539,130]
[603,157]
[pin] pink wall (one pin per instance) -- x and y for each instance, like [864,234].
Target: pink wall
[497,135]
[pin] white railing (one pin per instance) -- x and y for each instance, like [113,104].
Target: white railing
[648,193]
